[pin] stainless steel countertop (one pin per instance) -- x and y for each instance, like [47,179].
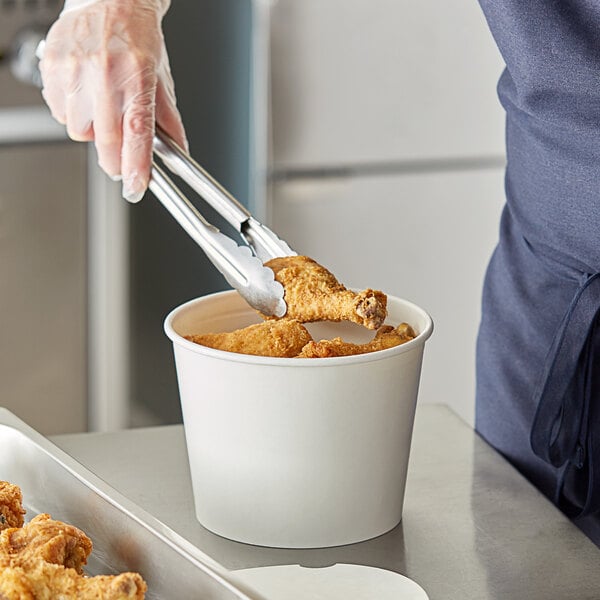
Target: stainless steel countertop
[473,528]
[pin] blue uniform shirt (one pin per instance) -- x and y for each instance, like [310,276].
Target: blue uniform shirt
[538,369]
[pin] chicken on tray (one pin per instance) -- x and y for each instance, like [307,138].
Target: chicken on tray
[312,294]
[44,559]
[11,507]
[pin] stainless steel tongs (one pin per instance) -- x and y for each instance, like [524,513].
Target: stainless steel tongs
[242,266]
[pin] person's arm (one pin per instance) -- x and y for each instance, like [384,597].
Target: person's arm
[106,76]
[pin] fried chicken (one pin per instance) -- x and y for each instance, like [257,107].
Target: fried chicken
[284,338]
[11,507]
[46,539]
[14,584]
[39,580]
[44,559]
[312,293]
[386,337]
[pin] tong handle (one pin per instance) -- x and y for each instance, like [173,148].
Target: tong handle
[178,161]
[241,269]
[265,244]
[208,237]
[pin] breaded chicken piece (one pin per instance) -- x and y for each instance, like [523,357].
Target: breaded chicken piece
[14,584]
[46,539]
[39,580]
[43,560]
[283,338]
[386,337]
[11,505]
[312,293]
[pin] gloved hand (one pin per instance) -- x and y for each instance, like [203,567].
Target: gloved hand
[106,76]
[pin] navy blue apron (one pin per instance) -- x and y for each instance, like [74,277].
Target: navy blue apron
[538,349]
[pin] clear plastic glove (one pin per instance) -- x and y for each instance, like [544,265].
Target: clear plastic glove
[106,76]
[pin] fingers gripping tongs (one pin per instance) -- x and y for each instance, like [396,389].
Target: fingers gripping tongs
[242,266]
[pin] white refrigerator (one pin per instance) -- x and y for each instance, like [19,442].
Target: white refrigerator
[386,158]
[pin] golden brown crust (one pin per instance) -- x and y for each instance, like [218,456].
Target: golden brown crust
[284,338]
[44,581]
[11,505]
[386,337]
[43,560]
[312,293]
[46,539]
[14,584]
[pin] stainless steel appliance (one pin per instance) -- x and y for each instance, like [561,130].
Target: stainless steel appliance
[385,117]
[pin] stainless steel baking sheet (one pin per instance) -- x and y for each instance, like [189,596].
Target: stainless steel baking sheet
[125,537]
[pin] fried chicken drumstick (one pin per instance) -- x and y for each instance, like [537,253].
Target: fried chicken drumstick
[312,293]
[386,337]
[44,559]
[292,340]
[284,339]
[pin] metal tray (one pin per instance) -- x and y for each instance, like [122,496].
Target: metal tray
[124,536]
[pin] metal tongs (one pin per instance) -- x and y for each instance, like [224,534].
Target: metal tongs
[242,266]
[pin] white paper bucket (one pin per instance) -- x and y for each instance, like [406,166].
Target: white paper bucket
[296,453]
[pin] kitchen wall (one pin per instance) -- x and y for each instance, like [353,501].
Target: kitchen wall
[387,158]
[42,285]
[43,262]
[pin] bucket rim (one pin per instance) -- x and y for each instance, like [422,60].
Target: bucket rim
[178,340]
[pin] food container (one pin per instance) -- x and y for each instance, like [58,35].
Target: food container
[296,453]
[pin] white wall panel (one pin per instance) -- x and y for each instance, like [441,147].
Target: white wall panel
[382,80]
[426,238]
